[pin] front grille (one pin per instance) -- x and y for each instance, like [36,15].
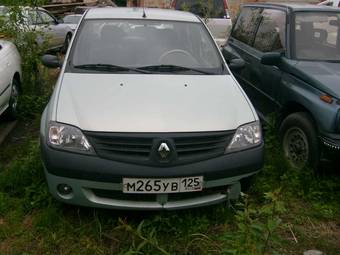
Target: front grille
[201,147]
[121,148]
[142,148]
[119,195]
[172,197]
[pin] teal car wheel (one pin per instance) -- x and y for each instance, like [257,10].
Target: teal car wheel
[300,141]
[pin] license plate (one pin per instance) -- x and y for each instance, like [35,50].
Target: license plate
[158,186]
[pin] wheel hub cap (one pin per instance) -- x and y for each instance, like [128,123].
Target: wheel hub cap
[296,149]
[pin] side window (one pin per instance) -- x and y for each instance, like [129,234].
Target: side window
[246,25]
[34,18]
[271,35]
[46,18]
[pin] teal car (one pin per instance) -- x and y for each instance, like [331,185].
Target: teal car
[287,59]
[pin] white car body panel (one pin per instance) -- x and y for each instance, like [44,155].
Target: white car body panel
[10,64]
[152,103]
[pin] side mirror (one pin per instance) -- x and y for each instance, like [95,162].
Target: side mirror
[237,64]
[51,61]
[271,58]
[60,21]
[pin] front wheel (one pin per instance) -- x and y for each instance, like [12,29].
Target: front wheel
[300,141]
[11,112]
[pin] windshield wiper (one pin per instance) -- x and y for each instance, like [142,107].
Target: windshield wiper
[172,68]
[109,68]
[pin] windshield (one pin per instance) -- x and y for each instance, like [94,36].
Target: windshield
[72,19]
[317,36]
[158,45]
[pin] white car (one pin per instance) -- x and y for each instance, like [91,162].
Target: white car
[219,21]
[72,21]
[10,78]
[334,3]
[147,115]
[58,34]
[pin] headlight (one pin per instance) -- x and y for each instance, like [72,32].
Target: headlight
[65,137]
[246,136]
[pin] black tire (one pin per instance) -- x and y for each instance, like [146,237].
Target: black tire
[11,112]
[299,139]
[66,43]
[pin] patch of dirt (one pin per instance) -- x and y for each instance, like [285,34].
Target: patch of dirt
[23,132]
[305,232]
[28,222]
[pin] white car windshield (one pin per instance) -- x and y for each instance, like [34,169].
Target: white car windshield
[152,45]
[72,19]
[317,36]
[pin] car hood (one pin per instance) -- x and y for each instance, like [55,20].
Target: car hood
[152,103]
[323,75]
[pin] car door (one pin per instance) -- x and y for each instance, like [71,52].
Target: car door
[270,37]
[52,28]
[36,24]
[239,46]
[5,74]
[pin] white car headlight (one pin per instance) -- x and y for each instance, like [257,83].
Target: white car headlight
[66,137]
[247,136]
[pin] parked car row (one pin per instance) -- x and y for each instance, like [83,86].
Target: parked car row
[176,129]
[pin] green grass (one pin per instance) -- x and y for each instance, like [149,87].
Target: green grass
[296,204]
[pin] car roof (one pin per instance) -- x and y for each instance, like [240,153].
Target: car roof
[297,7]
[137,13]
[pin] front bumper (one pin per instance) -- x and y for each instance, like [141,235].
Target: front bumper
[110,196]
[331,142]
[97,182]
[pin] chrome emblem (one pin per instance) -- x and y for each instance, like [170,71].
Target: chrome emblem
[164,150]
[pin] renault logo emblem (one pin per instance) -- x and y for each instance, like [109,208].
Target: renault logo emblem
[164,150]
